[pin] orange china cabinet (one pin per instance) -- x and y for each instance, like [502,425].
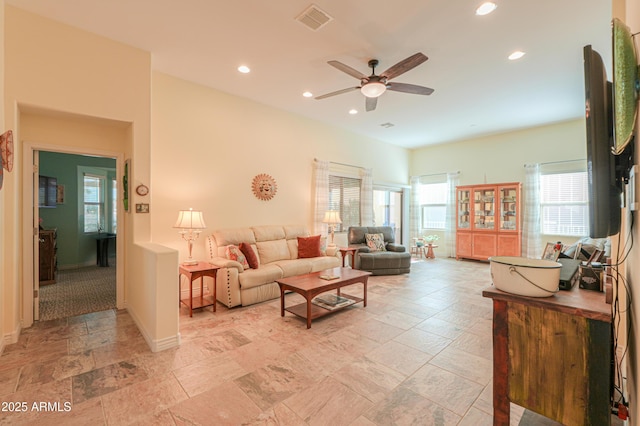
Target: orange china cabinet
[488,221]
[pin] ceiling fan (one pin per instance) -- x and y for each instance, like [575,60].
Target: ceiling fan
[375,85]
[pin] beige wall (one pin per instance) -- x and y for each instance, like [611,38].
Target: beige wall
[208,145]
[53,72]
[629,12]
[501,158]
[3,276]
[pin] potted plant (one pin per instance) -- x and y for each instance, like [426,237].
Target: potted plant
[430,239]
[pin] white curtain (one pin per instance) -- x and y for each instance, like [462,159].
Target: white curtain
[453,180]
[366,197]
[531,246]
[321,178]
[414,208]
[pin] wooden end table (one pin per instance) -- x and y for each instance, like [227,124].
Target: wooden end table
[348,250]
[311,285]
[429,254]
[193,272]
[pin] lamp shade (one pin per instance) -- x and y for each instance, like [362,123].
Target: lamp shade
[190,219]
[373,89]
[331,217]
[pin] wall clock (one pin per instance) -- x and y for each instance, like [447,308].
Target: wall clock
[142,190]
[264,187]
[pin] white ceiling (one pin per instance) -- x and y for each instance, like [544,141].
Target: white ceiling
[478,91]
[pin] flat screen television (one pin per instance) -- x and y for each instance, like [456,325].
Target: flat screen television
[605,191]
[47,191]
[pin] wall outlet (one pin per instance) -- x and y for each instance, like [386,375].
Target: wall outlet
[631,188]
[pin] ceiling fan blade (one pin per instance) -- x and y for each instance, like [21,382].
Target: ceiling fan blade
[338,92]
[347,69]
[409,88]
[370,103]
[404,66]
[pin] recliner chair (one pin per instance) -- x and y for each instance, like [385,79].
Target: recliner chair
[395,260]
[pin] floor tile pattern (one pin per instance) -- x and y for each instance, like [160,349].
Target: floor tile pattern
[418,354]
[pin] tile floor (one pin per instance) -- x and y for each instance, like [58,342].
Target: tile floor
[418,354]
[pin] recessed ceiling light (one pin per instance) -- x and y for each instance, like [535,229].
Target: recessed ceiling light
[353,111]
[307,94]
[486,8]
[516,55]
[244,69]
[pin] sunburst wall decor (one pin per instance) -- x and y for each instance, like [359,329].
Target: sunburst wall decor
[264,187]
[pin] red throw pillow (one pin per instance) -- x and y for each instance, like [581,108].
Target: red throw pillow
[309,247]
[248,252]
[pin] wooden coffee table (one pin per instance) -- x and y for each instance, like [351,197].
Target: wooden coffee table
[311,285]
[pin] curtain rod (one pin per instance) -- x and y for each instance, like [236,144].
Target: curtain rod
[438,174]
[343,164]
[557,162]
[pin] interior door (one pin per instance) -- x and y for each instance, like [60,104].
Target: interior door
[36,238]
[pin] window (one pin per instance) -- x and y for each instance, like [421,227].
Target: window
[344,196]
[94,188]
[433,205]
[564,203]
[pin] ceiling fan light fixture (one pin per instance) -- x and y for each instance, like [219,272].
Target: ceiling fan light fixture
[373,89]
[486,8]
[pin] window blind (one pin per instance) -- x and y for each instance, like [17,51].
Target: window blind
[344,196]
[564,203]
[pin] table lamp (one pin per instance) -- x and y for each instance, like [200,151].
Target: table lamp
[332,217]
[190,223]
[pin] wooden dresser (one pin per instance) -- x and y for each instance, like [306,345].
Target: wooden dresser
[553,356]
[48,257]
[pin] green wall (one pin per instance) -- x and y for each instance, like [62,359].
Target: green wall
[74,247]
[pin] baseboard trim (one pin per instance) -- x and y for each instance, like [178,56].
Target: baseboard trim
[10,338]
[155,345]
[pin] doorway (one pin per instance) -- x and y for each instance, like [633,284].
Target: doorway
[78,221]
[30,229]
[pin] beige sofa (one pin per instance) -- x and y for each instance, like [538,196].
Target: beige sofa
[276,248]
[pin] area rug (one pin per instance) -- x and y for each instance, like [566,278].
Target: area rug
[78,291]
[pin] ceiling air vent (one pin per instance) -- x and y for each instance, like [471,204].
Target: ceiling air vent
[313,17]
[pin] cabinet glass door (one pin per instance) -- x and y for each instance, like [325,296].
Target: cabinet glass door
[508,208]
[464,200]
[483,203]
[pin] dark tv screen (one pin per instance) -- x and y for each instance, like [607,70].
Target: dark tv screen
[604,193]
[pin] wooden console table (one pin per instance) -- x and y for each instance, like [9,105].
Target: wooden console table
[553,356]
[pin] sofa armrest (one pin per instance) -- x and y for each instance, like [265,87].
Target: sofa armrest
[396,248]
[227,283]
[222,262]
[362,248]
